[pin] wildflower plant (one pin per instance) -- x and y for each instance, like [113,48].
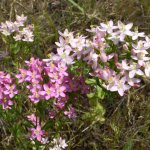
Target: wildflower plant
[84,70]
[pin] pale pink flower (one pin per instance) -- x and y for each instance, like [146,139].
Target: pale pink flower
[124,65]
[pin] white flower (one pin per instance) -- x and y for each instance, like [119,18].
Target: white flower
[132,81]
[68,36]
[124,65]
[66,33]
[44,140]
[65,56]
[62,143]
[63,44]
[56,147]
[124,30]
[59,144]
[7,28]
[136,34]
[140,46]
[141,57]
[78,45]
[135,69]
[147,42]
[147,68]
[18,37]
[92,58]
[109,27]
[27,34]
[21,19]
[119,86]
[115,38]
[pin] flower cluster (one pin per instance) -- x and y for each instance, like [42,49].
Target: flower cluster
[70,47]
[117,55]
[59,144]
[33,77]
[18,29]
[7,90]
[50,80]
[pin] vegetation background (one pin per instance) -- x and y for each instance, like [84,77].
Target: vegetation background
[127,119]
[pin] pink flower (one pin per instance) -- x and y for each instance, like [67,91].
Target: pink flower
[6,103]
[22,75]
[132,81]
[33,76]
[35,120]
[70,113]
[52,114]
[59,90]
[62,68]
[60,103]
[48,92]
[10,90]
[55,77]
[37,133]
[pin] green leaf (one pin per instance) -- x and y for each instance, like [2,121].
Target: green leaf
[100,92]
[91,81]
[128,145]
[90,95]
[48,125]
[76,5]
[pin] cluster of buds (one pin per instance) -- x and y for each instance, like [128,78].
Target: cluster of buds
[18,29]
